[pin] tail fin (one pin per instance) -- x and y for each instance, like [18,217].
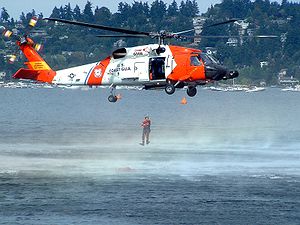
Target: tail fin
[38,69]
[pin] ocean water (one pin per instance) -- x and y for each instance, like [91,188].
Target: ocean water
[71,157]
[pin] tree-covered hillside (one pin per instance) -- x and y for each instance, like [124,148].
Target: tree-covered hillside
[257,59]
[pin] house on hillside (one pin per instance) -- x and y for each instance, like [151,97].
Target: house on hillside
[285,80]
[2,75]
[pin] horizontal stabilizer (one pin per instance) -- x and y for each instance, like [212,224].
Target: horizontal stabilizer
[26,74]
[39,75]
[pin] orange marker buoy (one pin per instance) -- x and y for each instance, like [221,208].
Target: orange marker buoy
[183,101]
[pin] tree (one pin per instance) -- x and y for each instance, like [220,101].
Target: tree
[189,8]
[158,12]
[172,9]
[68,14]
[102,15]
[12,22]
[4,15]
[61,13]
[23,18]
[40,16]
[77,13]
[140,14]
[124,12]
[88,15]
[55,13]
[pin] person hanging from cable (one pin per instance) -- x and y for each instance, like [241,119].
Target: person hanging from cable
[146,130]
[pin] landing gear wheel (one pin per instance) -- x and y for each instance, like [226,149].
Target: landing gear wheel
[170,89]
[191,91]
[112,98]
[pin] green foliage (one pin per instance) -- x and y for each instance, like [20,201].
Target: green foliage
[4,15]
[88,15]
[173,10]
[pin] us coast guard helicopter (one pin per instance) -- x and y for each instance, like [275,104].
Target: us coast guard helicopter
[150,66]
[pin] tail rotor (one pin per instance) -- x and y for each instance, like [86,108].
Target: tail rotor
[21,39]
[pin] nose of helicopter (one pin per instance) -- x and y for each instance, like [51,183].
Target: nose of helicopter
[218,72]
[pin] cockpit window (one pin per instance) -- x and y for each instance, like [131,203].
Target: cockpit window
[195,61]
[208,59]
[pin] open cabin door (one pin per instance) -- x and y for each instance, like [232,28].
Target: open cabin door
[157,68]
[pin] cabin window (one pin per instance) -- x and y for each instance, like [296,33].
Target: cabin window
[119,53]
[195,61]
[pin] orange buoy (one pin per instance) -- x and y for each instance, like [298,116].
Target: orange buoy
[183,101]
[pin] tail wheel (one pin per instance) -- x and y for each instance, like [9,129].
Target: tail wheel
[191,91]
[170,88]
[112,98]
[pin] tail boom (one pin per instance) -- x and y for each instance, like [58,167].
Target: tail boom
[37,68]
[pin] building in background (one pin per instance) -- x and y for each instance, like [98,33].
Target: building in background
[285,80]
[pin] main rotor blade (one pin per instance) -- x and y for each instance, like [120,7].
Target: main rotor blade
[211,25]
[210,36]
[123,36]
[185,31]
[221,23]
[231,36]
[96,26]
[265,36]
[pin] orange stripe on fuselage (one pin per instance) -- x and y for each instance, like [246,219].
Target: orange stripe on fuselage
[96,76]
[184,70]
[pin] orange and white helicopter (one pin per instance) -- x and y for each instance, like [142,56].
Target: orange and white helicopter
[150,66]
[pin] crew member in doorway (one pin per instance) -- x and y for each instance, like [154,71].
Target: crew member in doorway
[146,130]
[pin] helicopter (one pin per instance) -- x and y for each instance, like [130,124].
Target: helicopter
[151,66]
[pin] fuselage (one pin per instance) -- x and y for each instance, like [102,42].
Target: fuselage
[141,65]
